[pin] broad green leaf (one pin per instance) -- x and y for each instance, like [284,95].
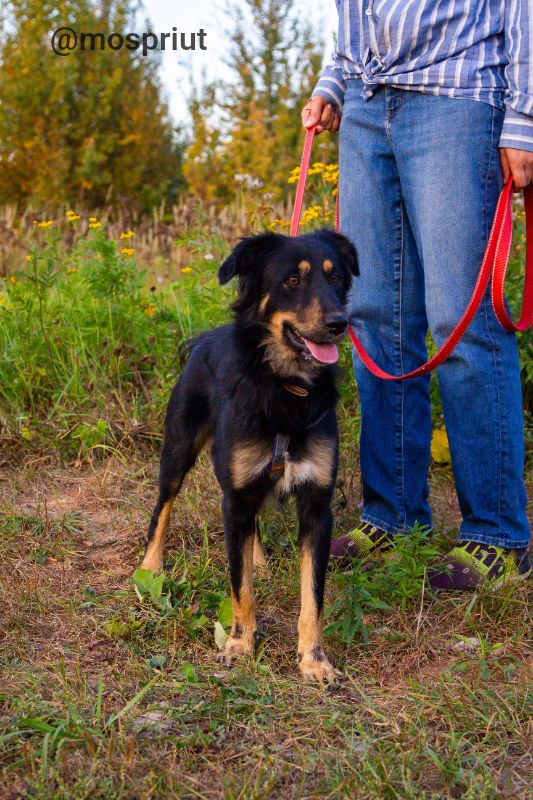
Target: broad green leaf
[225,612]
[220,635]
[189,673]
[147,582]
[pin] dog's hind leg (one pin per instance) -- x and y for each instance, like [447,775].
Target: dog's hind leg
[315,523]
[186,431]
[239,531]
[260,562]
[174,467]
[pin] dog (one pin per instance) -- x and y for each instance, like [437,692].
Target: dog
[262,390]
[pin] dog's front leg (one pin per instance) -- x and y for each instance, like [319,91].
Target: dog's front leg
[315,523]
[239,532]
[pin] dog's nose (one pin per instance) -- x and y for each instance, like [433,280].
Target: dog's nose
[336,323]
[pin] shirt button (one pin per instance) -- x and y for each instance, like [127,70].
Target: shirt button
[368,11]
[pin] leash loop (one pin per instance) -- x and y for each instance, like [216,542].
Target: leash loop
[494,264]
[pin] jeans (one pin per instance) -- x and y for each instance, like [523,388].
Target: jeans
[419,181]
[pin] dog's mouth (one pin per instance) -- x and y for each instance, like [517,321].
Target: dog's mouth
[323,352]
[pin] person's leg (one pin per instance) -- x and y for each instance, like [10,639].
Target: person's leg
[447,155]
[387,311]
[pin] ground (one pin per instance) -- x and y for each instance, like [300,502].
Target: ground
[103,696]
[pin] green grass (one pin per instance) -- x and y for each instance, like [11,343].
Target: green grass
[108,694]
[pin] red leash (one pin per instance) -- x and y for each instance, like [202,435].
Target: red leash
[494,263]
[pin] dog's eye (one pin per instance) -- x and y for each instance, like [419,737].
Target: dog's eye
[294,280]
[334,278]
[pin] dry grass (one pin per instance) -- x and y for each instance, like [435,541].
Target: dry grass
[416,717]
[160,238]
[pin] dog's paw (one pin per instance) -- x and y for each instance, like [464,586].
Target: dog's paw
[235,649]
[314,666]
[153,563]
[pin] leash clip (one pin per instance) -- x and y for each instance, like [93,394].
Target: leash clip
[279,456]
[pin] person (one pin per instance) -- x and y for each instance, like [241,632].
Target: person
[435,106]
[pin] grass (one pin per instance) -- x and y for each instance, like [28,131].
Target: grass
[109,693]
[105,696]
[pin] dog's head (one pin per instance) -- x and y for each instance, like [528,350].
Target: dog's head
[294,288]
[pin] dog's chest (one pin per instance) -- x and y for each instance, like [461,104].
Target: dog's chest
[313,463]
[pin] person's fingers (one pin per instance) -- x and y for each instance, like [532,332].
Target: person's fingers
[318,112]
[312,111]
[504,163]
[327,116]
[519,175]
[519,166]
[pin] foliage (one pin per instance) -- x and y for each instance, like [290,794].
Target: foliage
[89,354]
[87,128]
[248,127]
[194,595]
[397,580]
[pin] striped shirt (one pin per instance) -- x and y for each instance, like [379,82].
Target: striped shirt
[477,49]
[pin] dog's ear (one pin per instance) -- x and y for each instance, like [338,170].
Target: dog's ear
[343,246]
[245,256]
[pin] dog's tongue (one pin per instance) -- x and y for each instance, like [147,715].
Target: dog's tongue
[326,353]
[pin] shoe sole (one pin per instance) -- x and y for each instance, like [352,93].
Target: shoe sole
[490,587]
[508,581]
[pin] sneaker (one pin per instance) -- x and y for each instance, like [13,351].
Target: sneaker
[363,542]
[470,565]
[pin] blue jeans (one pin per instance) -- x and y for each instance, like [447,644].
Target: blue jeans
[419,181]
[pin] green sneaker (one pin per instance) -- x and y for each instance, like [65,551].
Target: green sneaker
[470,565]
[363,542]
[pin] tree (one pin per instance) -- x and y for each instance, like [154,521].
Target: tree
[89,127]
[247,129]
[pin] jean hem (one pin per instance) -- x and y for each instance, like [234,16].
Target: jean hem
[383,526]
[494,541]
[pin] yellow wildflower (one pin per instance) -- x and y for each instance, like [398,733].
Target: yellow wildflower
[295,174]
[186,270]
[127,251]
[12,279]
[149,310]
[94,225]
[93,219]
[45,223]
[28,258]
[440,448]
[127,235]
[317,168]
[71,270]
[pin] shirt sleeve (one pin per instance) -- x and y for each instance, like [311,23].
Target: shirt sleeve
[332,86]
[518,123]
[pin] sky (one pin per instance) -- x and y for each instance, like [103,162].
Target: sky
[190,15]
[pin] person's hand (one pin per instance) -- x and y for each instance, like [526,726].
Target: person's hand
[518,164]
[318,110]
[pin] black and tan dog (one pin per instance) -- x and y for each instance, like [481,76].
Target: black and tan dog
[262,389]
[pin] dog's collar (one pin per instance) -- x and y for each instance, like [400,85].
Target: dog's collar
[299,391]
